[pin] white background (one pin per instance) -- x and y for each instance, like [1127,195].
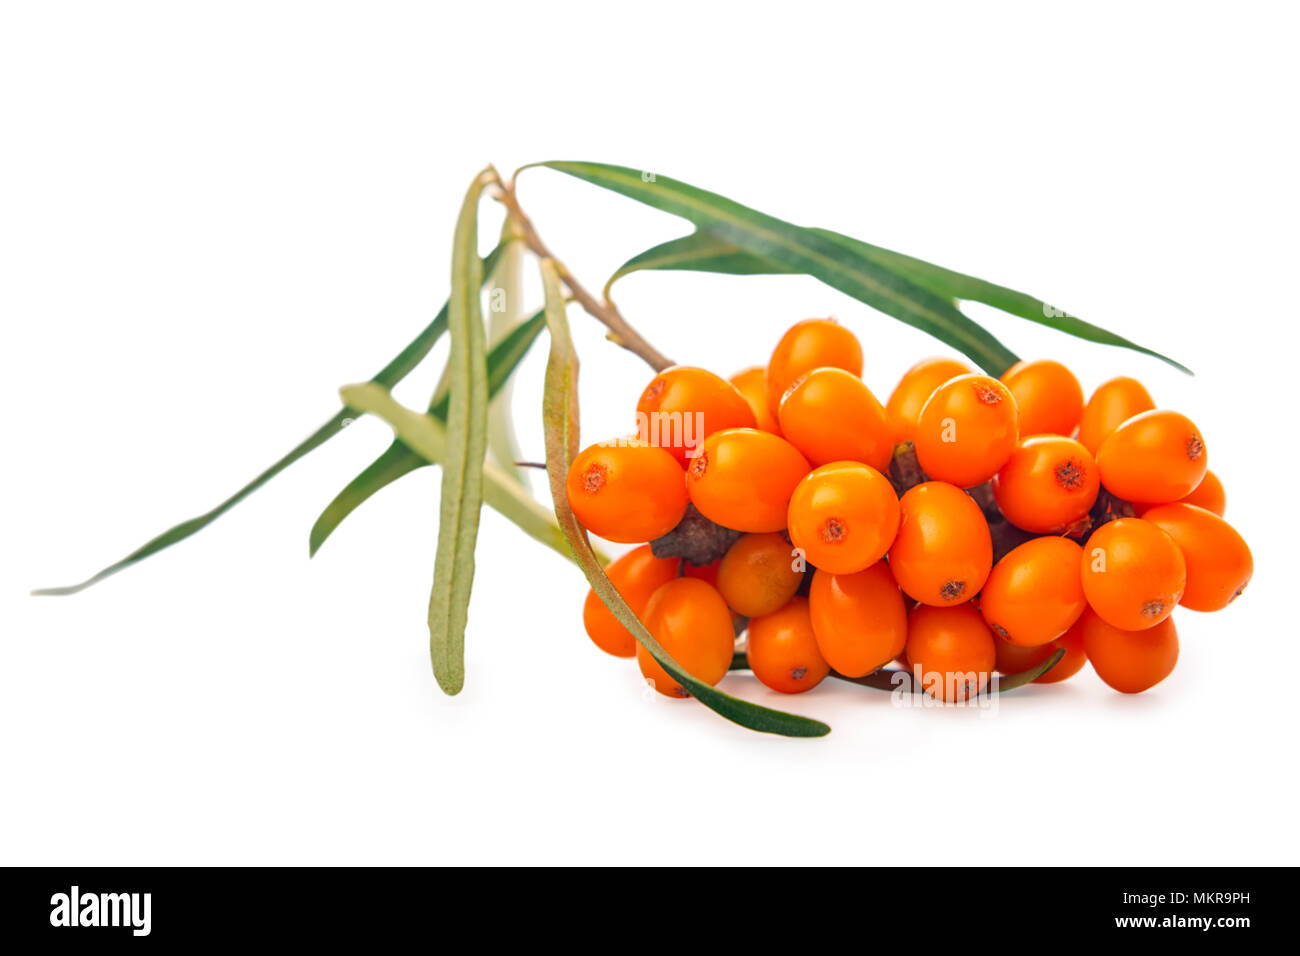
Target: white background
[211,216]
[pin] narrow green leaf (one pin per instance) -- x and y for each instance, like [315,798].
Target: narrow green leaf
[1012,681]
[395,461]
[424,439]
[505,312]
[957,285]
[702,251]
[392,373]
[398,460]
[560,419]
[462,468]
[885,679]
[805,251]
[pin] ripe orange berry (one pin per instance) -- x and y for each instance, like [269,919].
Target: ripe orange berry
[743,479]
[752,384]
[1155,457]
[943,551]
[830,415]
[807,345]
[903,410]
[1048,397]
[635,576]
[967,430]
[1209,494]
[859,619]
[1130,661]
[692,622]
[782,649]
[683,405]
[1219,563]
[843,516]
[1033,594]
[1114,403]
[952,648]
[1013,659]
[626,491]
[757,575]
[1047,484]
[1133,574]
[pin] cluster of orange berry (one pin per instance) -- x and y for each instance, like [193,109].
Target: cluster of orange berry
[969,526]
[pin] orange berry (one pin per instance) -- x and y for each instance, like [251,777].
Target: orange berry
[1033,594]
[1048,397]
[914,389]
[1013,659]
[1219,563]
[626,491]
[859,619]
[1114,403]
[830,415]
[943,551]
[843,516]
[967,430]
[1133,574]
[782,649]
[1130,661]
[1209,494]
[743,479]
[635,576]
[692,622]
[1154,457]
[1047,484]
[683,405]
[952,648]
[757,575]
[752,384]
[807,345]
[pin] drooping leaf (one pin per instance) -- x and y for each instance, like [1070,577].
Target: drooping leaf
[701,251]
[505,312]
[1012,681]
[888,680]
[804,251]
[709,250]
[398,460]
[560,419]
[425,439]
[462,467]
[392,373]
[958,286]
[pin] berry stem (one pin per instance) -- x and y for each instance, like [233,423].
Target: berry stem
[604,311]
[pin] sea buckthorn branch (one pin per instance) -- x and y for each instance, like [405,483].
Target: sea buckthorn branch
[602,310]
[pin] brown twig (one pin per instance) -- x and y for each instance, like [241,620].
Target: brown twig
[604,311]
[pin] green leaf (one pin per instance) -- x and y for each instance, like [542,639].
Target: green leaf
[707,250]
[398,460]
[505,312]
[560,418]
[425,439]
[1012,681]
[462,468]
[702,251]
[392,373]
[805,251]
[884,679]
[958,286]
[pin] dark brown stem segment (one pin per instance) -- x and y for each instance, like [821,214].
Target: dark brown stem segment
[604,311]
